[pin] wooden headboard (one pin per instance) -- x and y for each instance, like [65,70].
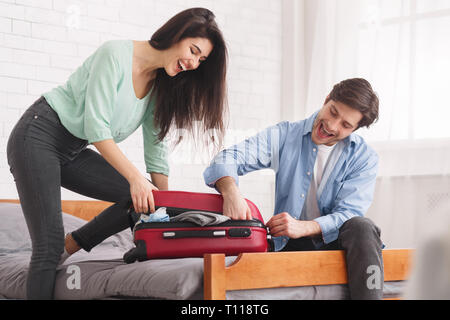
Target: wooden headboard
[84,209]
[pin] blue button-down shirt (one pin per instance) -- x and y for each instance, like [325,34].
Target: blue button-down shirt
[288,149]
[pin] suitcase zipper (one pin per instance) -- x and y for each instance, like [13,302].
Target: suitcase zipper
[174,211]
[175,225]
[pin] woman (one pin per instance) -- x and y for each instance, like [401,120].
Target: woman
[175,79]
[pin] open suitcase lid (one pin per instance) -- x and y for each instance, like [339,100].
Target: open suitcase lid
[196,201]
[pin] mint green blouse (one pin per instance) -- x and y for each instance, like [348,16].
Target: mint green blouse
[98,102]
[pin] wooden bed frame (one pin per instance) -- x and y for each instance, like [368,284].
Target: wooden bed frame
[290,269]
[269,269]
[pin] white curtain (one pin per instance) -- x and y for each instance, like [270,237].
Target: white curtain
[403,48]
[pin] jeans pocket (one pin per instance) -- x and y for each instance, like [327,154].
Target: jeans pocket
[44,110]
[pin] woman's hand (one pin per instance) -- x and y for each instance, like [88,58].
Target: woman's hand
[141,194]
[140,187]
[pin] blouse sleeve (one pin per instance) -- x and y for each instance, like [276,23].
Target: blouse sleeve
[101,95]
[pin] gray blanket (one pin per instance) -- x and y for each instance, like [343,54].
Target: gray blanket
[102,272]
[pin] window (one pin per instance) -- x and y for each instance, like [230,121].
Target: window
[404,47]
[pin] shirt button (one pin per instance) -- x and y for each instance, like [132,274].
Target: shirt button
[314,149]
[303,195]
[308,173]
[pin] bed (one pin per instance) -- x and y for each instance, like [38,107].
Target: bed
[103,274]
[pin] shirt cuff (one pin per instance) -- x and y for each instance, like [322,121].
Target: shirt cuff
[217,171]
[99,135]
[158,169]
[329,230]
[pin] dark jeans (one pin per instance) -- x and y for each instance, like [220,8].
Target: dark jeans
[359,237]
[43,156]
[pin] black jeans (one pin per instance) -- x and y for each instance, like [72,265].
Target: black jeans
[359,237]
[43,156]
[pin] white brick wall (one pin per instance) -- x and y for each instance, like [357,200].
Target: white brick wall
[43,41]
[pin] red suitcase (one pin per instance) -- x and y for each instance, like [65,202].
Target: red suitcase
[155,240]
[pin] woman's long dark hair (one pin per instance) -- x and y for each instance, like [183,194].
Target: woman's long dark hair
[196,97]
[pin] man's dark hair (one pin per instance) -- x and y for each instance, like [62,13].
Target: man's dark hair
[358,94]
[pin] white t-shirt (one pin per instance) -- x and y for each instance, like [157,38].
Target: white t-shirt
[311,208]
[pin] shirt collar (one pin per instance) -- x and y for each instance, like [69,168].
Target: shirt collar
[309,125]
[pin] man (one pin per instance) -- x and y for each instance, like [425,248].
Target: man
[325,179]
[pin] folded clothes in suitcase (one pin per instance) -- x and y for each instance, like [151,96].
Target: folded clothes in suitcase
[179,239]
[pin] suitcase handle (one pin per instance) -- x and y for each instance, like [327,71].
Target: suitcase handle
[194,234]
[233,233]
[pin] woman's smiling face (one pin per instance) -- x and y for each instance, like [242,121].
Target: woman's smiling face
[187,55]
[335,122]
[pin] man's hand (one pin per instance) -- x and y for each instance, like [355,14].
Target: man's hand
[234,204]
[283,224]
[235,207]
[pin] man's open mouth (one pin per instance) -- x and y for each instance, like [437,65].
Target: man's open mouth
[323,133]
